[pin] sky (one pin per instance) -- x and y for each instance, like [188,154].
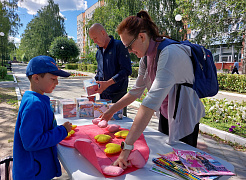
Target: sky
[69,9]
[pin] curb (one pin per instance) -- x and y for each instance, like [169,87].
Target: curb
[210,130]
[232,94]
[17,90]
[222,134]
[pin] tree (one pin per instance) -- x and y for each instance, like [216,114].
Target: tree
[64,49]
[216,20]
[116,11]
[9,24]
[42,30]
[163,13]
[9,19]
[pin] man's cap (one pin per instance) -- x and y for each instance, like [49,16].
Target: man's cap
[44,64]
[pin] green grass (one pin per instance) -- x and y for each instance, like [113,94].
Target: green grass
[225,126]
[7,78]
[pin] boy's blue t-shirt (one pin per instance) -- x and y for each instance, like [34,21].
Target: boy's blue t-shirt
[35,139]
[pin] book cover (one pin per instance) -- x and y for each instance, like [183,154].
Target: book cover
[201,163]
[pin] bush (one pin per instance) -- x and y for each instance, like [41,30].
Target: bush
[3,72]
[71,66]
[82,67]
[91,68]
[232,82]
[134,72]
[87,67]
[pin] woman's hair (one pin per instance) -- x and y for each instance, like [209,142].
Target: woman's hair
[140,23]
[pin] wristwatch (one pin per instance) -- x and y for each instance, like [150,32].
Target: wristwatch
[125,146]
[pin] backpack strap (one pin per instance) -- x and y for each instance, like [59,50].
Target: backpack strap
[145,61]
[161,46]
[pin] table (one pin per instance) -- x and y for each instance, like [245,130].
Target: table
[79,167]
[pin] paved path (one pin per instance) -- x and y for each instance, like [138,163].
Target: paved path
[73,87]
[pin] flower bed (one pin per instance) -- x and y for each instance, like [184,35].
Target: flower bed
[226,116]
[78,74]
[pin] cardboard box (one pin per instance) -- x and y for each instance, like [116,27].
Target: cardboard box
[99,108]
[118,115]
[86,109]
[59,104]
[90,86]
[91,98]
[104,100]
[68,109]
[81,99]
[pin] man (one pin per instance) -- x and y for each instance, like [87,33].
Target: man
[114,64]
[235,67]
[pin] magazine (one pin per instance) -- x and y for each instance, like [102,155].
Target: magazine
[176,170]
[201,163]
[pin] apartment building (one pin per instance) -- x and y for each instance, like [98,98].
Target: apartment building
[81,30]
[223,54]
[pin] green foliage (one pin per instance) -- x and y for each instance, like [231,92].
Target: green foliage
[82,67]
[232,82]
[213,19]
[64,49]
[135,65]
[71,66]
[87,67]
[9,25]
[116,11]
[42,30]
[24,58]
[90,58]
[163,13]
[91,68]
[134,58]
[9,18]
[8,77]
[3,72]
[134,72]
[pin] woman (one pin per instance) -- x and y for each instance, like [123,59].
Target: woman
[161,77]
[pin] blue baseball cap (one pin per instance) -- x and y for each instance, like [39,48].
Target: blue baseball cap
[44,64]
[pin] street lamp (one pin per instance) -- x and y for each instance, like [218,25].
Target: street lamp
[62,47]
[2,34]
[178,18]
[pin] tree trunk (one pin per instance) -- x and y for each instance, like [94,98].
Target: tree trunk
[244,54]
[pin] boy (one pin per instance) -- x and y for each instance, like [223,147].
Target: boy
[35,139]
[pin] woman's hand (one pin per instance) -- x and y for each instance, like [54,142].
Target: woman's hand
[122,159]
[107,115]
